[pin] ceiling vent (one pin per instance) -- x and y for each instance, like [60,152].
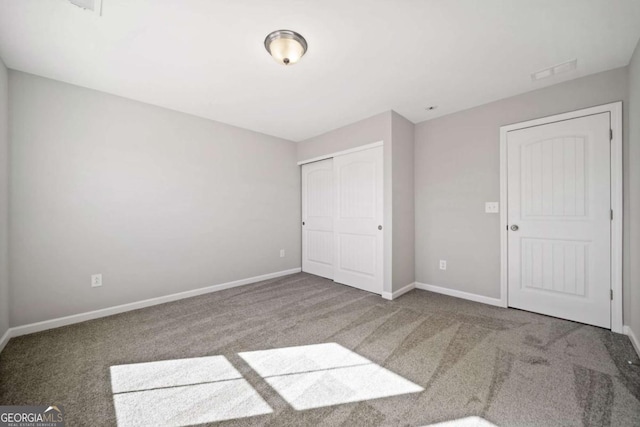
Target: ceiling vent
[556,69]
[94,6]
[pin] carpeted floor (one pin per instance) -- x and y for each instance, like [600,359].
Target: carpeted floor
[434,357]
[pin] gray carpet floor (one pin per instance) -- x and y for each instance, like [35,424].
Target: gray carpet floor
[423,358]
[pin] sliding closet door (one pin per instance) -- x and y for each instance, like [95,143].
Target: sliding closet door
[317,218]
[358,192]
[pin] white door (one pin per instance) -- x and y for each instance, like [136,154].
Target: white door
[317,218]
[358,192]
[559,219]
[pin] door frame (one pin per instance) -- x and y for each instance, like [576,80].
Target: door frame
[615,111]
[341,153]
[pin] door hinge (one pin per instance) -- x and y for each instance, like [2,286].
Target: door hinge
[610,134]
[611,293]
[611,214]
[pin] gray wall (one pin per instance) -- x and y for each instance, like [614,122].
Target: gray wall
[633,295]
[367,131]
[457,169]
[157,201]
[403,144]
[4,199]
[373,129]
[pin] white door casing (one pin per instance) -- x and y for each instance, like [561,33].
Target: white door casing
[317,218]
[358,214]
[557,182]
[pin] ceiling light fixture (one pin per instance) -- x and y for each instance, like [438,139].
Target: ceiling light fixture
[286,47]
[94,6]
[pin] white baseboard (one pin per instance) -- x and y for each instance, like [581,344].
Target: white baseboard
[401,291]
[460,294]
[104,312]
[5,339]
[634,340]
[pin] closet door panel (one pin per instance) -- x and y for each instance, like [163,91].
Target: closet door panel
[358,205]
[317,218]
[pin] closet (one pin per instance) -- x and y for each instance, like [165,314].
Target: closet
[342,205]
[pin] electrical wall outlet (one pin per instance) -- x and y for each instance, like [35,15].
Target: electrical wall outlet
[443,264]
[281,253]
[492,207]
[96,280]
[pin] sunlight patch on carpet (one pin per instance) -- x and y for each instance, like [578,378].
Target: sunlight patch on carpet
[182,392]
[319,375]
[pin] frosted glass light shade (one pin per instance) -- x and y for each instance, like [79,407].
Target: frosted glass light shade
[286,47]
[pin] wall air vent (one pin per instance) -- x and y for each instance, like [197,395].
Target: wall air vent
[94,6]
[556,69]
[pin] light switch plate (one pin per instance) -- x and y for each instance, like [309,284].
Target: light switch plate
[492,207]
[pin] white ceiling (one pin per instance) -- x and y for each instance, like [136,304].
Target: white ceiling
[206,57]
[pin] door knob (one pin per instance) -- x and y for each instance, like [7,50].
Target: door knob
[514,227]
[379,227]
